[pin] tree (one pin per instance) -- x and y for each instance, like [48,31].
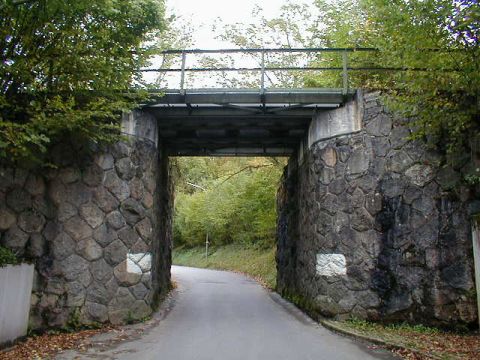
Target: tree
[67,68]
[293,27]
[233,200]
[436,42]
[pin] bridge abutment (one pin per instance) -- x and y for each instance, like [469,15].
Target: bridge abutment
[370,225]
[97,228]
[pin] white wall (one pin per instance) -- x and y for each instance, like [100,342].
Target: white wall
[15,293]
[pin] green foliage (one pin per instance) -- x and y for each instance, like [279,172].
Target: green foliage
[295,26]
[66,68]
[7,257]
[403,327]
[254,261]
[435,42]
[233,200]
[439,37]
[74,322]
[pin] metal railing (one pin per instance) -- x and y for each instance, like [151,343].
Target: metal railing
[263,68]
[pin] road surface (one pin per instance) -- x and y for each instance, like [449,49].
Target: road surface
[218,315]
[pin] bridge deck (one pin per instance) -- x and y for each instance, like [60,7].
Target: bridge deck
[238,121]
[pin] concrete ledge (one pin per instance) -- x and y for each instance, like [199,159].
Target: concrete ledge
[341,121]
[140,124]
[16,289]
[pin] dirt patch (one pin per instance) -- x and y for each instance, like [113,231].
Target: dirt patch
[46,345]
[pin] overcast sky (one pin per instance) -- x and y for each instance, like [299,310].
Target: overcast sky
[203,14]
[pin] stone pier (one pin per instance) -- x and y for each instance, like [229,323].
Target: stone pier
[97,228]
[372,226]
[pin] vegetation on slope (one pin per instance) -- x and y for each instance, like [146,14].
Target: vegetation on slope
[230,199]
[256,262]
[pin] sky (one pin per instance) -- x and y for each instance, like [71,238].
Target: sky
[203,14]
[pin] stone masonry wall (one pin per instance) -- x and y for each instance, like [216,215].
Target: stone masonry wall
[369,227]
[92,228]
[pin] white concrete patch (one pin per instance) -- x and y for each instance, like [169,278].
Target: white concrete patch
[133,268]
[146,263]
[15,294]
[331,264]
[139,263]
[136,257]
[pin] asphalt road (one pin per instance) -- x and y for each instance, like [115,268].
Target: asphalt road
[219,315]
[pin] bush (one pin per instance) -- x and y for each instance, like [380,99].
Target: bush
[236,205]
[7,257]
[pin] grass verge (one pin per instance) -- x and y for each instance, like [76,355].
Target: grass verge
[256,262]
[426,342]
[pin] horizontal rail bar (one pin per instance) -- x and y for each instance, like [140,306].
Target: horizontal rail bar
[289,50]
[294,68]
[267,50]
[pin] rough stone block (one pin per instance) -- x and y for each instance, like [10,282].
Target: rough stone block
[66,211]
[63,246]
[74,265]
[381,125]
[118,187]
[7,219]
[97,312]
[98,293]
[35,185]
[78,194]
[19,200]
[129,236]
[132,211]
[104,161]
[105,200]
[36,247]
[419,174]
[358,162]
[139,291]
[115,253]
[76,294]
[89,249]
[15,239]
[125,169]
[399,161]
[92,214]
[145,263]
[77,228]
[93,175]
[101,271]
[69,175]
[31,221]
[116,220]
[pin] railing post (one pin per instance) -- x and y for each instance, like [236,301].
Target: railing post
[345,72]
[262,79]
[182,74]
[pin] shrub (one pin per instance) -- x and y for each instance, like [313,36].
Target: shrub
[7,257]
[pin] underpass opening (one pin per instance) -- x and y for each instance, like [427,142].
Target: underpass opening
[251,130]
[225,213]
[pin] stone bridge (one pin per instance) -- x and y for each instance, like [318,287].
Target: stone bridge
[369,223]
